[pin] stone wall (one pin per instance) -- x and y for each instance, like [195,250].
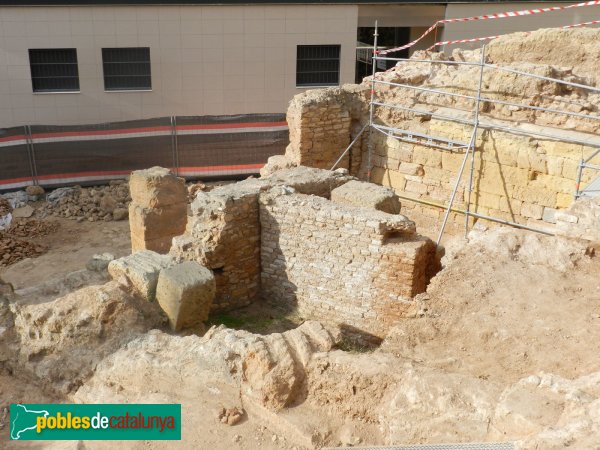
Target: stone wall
[223,234]
[223,231]
[516,178]
[342,264]
[281,239]
[318,127]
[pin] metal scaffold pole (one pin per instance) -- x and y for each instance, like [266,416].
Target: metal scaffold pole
[371,105]
[470,152]
[476,122]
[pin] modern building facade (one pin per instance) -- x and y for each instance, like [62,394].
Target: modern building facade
[76,62]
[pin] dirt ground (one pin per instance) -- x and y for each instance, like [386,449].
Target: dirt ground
[69,249]
[503,309]
[500,316]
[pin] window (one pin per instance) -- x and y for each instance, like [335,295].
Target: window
[318,65]
[54,70]
[126,69]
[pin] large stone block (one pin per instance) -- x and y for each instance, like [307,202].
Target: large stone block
[140,270]
[367,195]
[154,228]
[156,186]
[186,292]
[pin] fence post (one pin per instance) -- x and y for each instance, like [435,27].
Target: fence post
[174,144]
[30,153]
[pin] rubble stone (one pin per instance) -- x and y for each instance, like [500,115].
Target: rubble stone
[99,262]
[35,190]
[368,195]
[185,292]
[23,212]
[120,213]
[140,270]
[92,203]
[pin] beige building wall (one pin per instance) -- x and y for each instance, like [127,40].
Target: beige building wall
[205,59]
[480,28]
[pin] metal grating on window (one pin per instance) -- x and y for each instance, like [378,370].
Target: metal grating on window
[318,65]
[126,68]
[54,70]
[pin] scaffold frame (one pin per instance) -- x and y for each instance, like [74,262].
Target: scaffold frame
[475,120]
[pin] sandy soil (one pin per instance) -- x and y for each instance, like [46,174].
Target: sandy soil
[501,317]
[70,248]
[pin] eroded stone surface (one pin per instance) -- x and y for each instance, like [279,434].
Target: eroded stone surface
[158,209]
[367,195]
[185,292]
[140,270]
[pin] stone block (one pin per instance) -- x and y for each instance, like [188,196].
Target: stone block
[154,228]
[155,187]
[561,149]
[140,270]
[367,195]
[452,161]
[411,169]
[427,156]
[186,292]
[563,200]
[566,217]
[549,215]
[532,211]
[417,188]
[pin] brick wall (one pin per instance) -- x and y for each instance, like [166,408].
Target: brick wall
[223,231]
[341,264]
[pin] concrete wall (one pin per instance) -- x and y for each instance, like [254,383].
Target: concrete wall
[400,15]
[205,59]
[467,30]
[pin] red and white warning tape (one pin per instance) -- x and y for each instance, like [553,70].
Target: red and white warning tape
[525,12]
[485,38]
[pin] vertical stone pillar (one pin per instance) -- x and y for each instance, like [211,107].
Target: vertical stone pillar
[158,209]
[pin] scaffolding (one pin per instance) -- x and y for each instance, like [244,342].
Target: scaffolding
[473,119]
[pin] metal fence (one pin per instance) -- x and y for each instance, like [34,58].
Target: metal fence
[193,146]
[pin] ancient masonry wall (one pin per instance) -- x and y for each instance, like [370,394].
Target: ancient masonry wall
[223,234]
[516,178]
[223,231]
[341,264]
[281,239]
[320,125]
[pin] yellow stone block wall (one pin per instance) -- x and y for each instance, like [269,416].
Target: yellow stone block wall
[516,178]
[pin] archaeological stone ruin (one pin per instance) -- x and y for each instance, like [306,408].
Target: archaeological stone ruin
[309,307]
[321,243]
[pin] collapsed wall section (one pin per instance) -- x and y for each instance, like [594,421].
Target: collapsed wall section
[341,264]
